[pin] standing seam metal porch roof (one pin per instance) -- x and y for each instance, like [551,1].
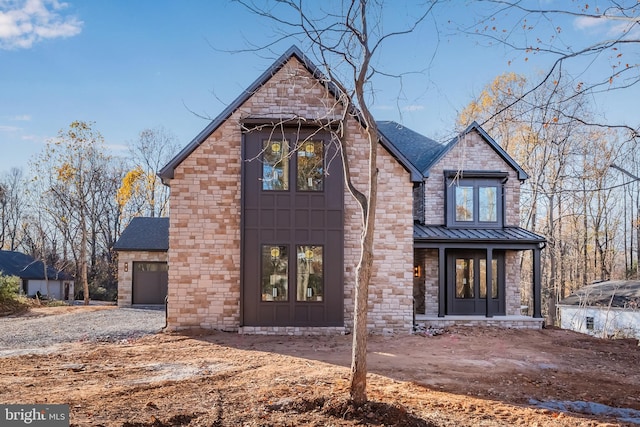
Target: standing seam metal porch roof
[437,234]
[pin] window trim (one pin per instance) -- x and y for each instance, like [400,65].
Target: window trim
[477,180]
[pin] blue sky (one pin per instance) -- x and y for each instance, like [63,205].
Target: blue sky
[131,65]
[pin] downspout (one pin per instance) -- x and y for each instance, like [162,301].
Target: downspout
[166,312]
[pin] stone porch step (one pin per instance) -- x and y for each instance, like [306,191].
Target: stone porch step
[513,322]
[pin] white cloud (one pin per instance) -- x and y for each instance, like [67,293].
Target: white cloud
[9,128]
[413,108]
[116,147]
[20,118]
[586,23]
[25,22]
[610,27]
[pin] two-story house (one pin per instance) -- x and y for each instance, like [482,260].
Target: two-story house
[264,236]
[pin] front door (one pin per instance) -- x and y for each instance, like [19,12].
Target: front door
[292,258]
[467,283]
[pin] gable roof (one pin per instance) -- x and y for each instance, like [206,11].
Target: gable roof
[166,173]
[617,293]
[423,153]
[145,234]
[26,267]
[522,175]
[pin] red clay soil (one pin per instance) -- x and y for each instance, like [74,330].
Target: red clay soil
[464,377]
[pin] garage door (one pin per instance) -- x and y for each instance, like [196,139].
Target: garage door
[150,281]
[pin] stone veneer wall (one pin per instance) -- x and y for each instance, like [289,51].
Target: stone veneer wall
[125,278]
[204,236]
[471,153]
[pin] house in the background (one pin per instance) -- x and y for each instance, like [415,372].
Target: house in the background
[36,278]
[265,236]
[142,262]
[605,309]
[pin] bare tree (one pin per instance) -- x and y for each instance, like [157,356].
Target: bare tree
[568,197]
[346,43]
[13,188]
[71,169]
[530,30]
[141,188]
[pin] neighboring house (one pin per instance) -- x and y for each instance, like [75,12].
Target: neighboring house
[265,237]
[142,262]
[605,309]
[53,285]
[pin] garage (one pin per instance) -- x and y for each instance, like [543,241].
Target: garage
[150,280]
[143,272]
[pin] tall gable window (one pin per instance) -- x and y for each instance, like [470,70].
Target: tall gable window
[278,162]
[474,199]
[275,165]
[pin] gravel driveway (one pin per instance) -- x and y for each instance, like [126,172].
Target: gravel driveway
[42,334]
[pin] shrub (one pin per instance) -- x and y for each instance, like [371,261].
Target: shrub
[9,287]
[11,301]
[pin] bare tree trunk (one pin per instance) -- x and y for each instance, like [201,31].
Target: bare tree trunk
[83,259]
[358,390]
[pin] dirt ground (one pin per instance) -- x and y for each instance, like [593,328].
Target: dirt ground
[464,377]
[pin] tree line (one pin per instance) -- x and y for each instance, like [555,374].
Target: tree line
[75,200]
[583,188]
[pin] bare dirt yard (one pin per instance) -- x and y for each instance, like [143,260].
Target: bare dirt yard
[464,377]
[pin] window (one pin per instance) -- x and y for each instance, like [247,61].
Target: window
[151,266]
[310,273]
[311,166]
[589,323]
[464,278]
[275,165]
[475,201]
[278,162]
[464,203]
[494,278]
[275,273]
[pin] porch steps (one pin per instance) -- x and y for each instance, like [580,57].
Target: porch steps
[513,322]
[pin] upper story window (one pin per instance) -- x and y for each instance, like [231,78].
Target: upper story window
[278,162]
[275,165]
[474,199]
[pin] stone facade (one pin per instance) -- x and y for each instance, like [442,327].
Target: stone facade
[205,231]
[125,278]
[471,153]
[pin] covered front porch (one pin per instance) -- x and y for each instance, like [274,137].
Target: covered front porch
[472,277]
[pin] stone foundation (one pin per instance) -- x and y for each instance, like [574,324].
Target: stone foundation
[511,322]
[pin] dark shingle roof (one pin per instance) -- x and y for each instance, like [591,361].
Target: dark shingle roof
[26,267]
[618,293]
[423,152]
[145,234]
[417,148]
